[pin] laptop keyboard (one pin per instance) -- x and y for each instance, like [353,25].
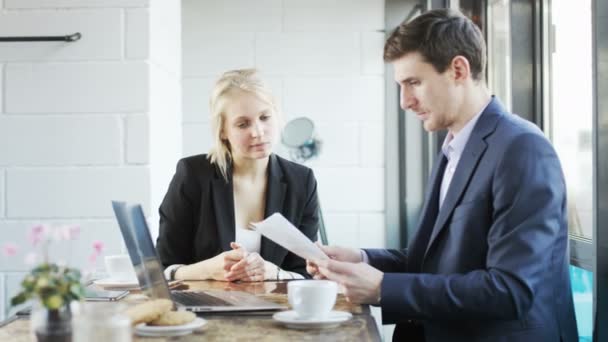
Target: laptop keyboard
[190,298]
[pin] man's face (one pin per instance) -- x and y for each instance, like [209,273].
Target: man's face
[434,97]
[250,126]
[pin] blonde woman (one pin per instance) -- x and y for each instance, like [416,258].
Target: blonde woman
[213,197]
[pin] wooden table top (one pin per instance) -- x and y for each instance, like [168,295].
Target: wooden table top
[234,326]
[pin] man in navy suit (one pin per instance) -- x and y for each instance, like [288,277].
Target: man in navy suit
[489,261]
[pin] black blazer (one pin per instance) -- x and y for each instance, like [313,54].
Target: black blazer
[197,213]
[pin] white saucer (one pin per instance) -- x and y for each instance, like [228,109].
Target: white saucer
[117,283]
[291,320]
[170,330]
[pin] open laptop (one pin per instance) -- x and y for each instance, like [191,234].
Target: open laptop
[149,270]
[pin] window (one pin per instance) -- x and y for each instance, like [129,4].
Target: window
[499,50]
[571,113]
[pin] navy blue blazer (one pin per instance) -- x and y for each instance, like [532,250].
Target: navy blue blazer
[197,213]
[492,263]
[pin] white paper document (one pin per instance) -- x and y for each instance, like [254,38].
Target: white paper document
[278,229]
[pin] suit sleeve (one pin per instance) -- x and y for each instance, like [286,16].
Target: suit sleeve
[309,225]
[528,221]
[387,260]
[177,211]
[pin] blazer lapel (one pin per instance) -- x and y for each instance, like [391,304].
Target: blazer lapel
[467,164]
[275,195]
[223,206]
[428,215]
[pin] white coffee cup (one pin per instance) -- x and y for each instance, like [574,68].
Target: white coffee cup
[119,267]
[312,299]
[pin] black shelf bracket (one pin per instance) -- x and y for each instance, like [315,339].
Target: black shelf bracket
[69,38]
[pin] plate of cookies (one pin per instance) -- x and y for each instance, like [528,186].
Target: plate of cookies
[156,318]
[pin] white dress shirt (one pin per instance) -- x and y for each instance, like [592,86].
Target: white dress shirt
[452,149]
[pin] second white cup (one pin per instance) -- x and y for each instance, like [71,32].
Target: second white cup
[312,299]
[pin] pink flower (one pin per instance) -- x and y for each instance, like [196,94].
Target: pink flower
[9,249]
[37,233]
[98,247]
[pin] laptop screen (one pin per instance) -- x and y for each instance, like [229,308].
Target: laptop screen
[141,249]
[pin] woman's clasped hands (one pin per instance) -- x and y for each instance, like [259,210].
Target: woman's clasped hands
[244,266]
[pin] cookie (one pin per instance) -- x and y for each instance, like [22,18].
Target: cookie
[148,311]
[174,318]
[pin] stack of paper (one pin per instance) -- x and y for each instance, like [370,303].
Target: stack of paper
[278,229]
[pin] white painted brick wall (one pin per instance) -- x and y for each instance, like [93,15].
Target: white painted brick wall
[372,62]
[78,192]
[334,15]
[323,60]
[100,29]
[165,36]
[24,4]
[197,138]
[2,193]
[60,140]
[196,92]
[76,87]
[87,122]
[1,88]
[371,230]
[137,139]
[211,53]
[372,144]
[342,229]
[233,15]
[352,189]
[302,53]
[137,37]
[339,145]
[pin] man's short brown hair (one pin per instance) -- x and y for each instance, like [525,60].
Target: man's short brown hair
[439,36]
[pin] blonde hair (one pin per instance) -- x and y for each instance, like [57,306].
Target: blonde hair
[229,84]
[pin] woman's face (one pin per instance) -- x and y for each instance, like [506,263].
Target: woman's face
[250,125]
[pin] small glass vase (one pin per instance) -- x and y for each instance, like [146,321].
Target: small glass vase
[50,325]
[102,322]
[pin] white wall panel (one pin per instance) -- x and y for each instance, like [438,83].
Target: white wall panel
[351,189]
[197,138]
[341,229]
[74,192]
[76,87]
[196,94]
[137,139]
[137,33]
[334,15]
[60,140]
[372,50]
[73,3]
[212,53]
[308,53]
[372,230]
[371,147]
[2,193]
[234,15]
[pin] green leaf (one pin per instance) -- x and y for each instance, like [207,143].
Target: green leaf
[21,297]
